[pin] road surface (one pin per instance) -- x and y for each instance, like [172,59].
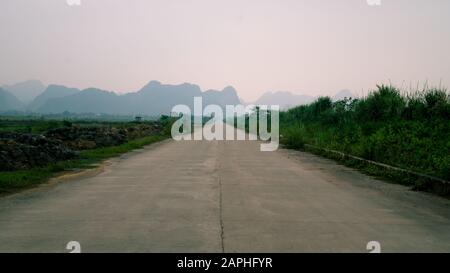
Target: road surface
[223,196]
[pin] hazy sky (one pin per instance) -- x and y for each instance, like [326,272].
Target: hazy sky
[307,47]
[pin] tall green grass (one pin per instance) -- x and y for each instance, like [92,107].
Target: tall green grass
[407,130]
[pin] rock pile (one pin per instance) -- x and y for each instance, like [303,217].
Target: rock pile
[79,138]
[23,151]
[83,138]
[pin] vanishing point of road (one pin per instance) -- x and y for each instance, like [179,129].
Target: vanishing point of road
[223,196]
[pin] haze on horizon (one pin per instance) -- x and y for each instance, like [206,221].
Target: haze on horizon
[304,46]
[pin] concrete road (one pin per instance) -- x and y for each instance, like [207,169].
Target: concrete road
[223,196]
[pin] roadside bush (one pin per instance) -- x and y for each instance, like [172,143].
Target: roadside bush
[410,131]
[384,104]
[292,137]
[437,104]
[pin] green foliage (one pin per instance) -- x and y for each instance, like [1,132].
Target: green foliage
[167,122]
[384,104]
[409,131]
[67,123]
[107,152]
[293,137]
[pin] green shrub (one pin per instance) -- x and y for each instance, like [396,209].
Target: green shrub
[409,131]
[384,104]
[292,137]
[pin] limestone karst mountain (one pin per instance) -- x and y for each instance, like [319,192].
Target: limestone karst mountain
[153,99]
[26,91]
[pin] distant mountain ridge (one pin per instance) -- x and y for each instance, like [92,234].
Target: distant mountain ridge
[53,91]
[26,91]
[153,99]
[8,102]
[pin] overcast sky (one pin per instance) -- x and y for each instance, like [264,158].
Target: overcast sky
[303,46]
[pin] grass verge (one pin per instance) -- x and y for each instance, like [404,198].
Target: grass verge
[388,175]
[17,180]
[406,130]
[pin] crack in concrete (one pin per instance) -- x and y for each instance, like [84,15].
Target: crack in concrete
[220,215]
[219,182]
